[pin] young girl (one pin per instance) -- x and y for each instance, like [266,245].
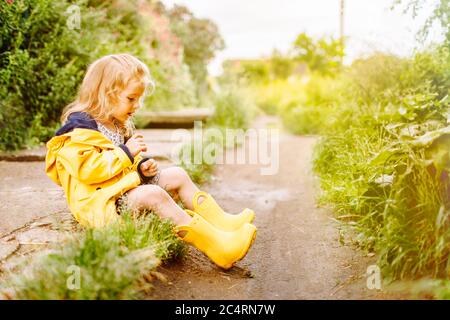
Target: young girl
[96,157]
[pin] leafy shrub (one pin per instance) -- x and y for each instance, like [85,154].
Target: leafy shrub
[41,64]
[43,60]
[270,97]
[392,198]
[193,160]
[300,119]
[233,109]
[384,162]
[376,78]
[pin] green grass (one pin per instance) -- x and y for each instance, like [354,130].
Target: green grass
[198,158]
[234,111]
[388,195]
[112,262]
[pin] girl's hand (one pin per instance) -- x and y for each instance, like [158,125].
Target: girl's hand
[149,168]
[136,144]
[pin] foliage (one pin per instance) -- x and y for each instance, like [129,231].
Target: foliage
[232,110]
[195,159]
[262,71]
[40,66]
[322,55]
[200,39]
[281,66]
[389,79]
[440,14]
[384,164]
[390,195]
[43,58]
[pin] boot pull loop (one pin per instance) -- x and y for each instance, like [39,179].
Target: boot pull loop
[198,195]
[184,230]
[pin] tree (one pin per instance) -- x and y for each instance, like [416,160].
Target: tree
[440,14]
[322,55]
[281,66]
[200,38]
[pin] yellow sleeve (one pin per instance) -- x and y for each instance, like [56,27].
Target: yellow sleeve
[137,159]
[91,164]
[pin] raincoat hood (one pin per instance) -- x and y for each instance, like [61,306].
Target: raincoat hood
[91,136]
[80,120]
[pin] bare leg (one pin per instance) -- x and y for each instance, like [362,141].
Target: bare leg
[177,182]
[154,198]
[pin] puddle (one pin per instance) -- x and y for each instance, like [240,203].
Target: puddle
[254,195]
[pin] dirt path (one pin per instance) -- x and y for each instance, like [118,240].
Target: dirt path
[296,254]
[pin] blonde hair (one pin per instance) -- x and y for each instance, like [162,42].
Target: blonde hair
[102,83]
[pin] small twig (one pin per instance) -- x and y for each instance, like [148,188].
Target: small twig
[296,227]
[234,285]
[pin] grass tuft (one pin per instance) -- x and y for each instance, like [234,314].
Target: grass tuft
[108,263]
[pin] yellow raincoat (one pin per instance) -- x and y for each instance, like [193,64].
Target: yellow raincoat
[93,173]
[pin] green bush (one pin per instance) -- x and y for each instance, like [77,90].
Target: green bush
[232,109]
[429,71]
[41,64]
[300,119]
[391,197]
[388,79]
[192,159]
[376,78]
[42,60]
[384,162]
[314,111]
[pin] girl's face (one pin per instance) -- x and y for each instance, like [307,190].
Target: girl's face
[128,101]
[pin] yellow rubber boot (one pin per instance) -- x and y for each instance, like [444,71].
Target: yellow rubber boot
[224,248]
[212,212]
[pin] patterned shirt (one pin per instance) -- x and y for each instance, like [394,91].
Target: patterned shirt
[116,138]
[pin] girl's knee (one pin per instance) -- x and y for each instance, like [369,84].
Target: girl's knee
[155,193]
[179,174]
[149,196]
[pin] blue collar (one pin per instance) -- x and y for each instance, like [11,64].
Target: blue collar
[78,120]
